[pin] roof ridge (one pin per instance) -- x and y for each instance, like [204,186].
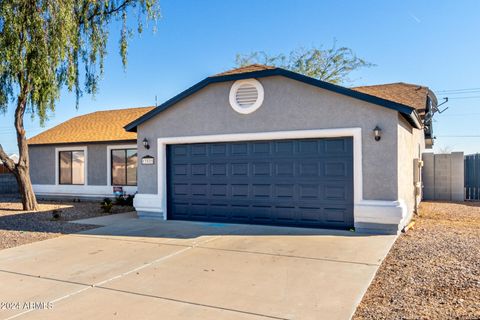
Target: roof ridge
[391,84]
[245,69]
[119,109]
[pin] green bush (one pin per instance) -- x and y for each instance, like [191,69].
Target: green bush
[106,205]
[125,201]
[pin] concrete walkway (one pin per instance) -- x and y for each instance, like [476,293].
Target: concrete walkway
[139,269]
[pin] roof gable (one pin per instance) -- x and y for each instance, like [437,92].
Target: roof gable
[259,71]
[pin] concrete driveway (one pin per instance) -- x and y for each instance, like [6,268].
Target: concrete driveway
[138,269]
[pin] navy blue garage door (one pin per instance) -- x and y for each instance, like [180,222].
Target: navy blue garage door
[307,183]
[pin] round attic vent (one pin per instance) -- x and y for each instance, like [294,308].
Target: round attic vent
[246,96]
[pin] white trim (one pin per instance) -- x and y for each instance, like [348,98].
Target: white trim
[147,206]
[160,205]
[233,96]
[78,190]
[109,159]
[57,163]
[365,211]
[378,211]
[84,190]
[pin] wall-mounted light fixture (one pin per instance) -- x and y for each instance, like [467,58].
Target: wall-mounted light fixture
[146,144]
[377,132]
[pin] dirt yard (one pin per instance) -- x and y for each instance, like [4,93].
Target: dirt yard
[432,271]
[19,227]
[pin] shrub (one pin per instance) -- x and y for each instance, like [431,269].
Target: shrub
[125,201]
[56,214]
[106,205]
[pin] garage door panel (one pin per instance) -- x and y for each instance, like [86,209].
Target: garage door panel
[336,192]
[335,215]
[306,182]
[239,149]
[219,149]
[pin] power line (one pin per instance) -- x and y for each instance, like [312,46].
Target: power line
[461,114]
[459,92]
[456,90]
[471,97]
[460,136]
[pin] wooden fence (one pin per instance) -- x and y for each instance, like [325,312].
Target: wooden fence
[3,169]
[472,177]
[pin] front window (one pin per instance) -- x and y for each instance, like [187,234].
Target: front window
[124,167]
[72,167]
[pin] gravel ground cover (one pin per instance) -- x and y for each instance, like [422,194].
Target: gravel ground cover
[19,227]
[432,271]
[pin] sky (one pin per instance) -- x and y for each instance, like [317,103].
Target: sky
[432,43]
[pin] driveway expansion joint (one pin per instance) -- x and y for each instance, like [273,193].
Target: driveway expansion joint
[200,245]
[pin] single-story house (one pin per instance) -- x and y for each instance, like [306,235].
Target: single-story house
[256,144]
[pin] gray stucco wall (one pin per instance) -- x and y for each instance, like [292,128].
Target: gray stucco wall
[42,162]
[97,164]
[288,105]
[411,145]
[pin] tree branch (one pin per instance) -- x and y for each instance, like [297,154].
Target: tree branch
[111,11]
[9,164]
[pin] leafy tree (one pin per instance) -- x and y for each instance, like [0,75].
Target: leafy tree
[43,46]
[332,65]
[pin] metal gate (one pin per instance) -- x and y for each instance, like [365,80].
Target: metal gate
[472,177]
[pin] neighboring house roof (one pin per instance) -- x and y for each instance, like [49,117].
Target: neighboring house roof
[98,126]
[13,156]
[260,71]
[412,95]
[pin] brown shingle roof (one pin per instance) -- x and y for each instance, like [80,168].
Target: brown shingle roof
[94,127]
[245,69]
[412,95]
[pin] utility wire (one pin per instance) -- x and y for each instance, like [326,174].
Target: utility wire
[460,136]
[461,114]
[459,92]
[455,90]
[466,97]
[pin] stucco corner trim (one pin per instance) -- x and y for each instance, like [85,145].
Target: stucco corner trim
[381,212]
[149,206]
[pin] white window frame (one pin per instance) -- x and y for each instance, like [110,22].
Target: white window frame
[57,164]
[109,160]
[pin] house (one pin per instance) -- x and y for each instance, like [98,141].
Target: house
[256,144]
[86,156]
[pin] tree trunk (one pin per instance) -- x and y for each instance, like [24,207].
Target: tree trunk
[29,200]
[21,170]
